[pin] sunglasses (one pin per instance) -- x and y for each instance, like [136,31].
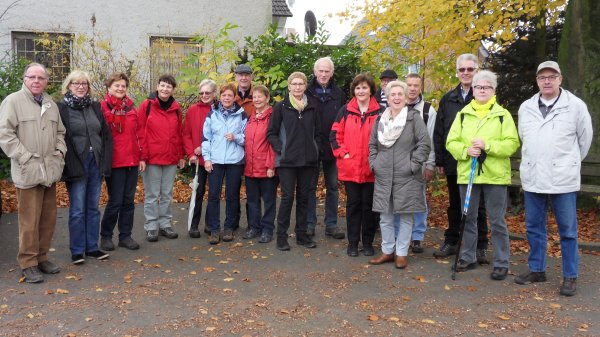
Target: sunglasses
[469,69]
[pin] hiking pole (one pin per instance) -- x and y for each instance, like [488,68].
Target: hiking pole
[463,217]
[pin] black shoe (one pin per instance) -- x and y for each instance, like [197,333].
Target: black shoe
[499,273]
[569,286]
[33,275]
[352,249]
[282,243]
[481,255]
[335,233]
[265,238]
[129,243]
[463,265]
[227,235]
[368,249]
[168,232]
[416,247]
[194,233]
[77,259]
[310,232]
[531,277]
[107,244]
[304,240]
[445,250]
[97,254]
[48,267]
[251,234]
[152,235]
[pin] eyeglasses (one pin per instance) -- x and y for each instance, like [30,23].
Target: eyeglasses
[79,84]
[39,78]
[483,87]
[469,69]
[298,84]
[551,78]
[205,93]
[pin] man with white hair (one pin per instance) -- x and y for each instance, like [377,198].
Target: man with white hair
[556,131]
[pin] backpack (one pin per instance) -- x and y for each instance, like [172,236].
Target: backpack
[426,108]
[148,110]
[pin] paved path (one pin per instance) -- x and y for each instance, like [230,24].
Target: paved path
[185,287]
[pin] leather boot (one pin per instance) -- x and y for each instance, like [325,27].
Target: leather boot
[383,258]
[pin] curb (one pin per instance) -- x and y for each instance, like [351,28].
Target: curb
[593,246]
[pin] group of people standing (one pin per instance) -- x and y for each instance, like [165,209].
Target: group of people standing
[384,145]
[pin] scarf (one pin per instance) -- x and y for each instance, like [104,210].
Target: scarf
[389,130]
[227,112]
[77,103]
[118,109]
[298,105]
[481,110]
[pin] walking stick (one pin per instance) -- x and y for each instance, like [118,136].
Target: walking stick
[463,217]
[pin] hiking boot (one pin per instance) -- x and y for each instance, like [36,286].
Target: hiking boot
[368,249]
[251,234]
[97,254]
[265,238]
[214,237]
[77,259]
[481,255]
[335,233]
[352,249]
[569,286]
[416,247]
[303,240]
[129,243]
[499,273]
[206,230]
[48,267]
[107,244]
[227,235]
[531,277]
[194,233]
[282,243]
[445,250]
[310,232]
[463,266]
[152,235]
[33,275]
[168,232]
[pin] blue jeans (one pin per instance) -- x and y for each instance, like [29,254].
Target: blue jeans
[420,227]
[565,212]
[84,216]
[233,181]
[121,186]
[265,189]
[330,173]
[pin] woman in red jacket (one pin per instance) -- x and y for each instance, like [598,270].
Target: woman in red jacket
[349,138]
[192,143]
[261,181]
[121,116]
[162,154]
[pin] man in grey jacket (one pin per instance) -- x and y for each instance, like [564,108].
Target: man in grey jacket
[556,132]
[33,137]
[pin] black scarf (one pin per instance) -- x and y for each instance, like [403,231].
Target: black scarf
[77,103]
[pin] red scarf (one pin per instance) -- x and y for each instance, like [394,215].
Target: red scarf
[119,108]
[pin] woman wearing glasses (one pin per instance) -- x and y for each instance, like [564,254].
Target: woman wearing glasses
[484,130]
[192,142]
[88,158]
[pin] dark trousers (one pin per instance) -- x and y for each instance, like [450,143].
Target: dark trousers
[121,187]
[202,177]
[298,180]
[265,189]
[454,214]
[233,181]
[360,218]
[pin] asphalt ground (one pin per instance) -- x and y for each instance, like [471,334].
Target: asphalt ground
[186,287]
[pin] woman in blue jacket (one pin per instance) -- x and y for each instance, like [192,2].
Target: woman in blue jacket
[223,152]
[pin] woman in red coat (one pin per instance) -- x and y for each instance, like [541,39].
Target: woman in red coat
[121,116]
[192,143]
[261,181]
[349,138]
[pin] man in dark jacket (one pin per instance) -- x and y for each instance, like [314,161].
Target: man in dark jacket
[452,102]
[386,77]
[329,98]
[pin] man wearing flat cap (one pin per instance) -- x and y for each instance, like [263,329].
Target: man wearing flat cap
[556,132]
[243,96]
[386,77]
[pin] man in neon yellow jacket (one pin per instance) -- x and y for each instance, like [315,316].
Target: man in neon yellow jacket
[486,131]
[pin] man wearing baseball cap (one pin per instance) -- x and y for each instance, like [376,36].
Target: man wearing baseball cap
[386,77]
[556,132]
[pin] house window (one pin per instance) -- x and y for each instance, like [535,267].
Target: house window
[169,54]
[53,50]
